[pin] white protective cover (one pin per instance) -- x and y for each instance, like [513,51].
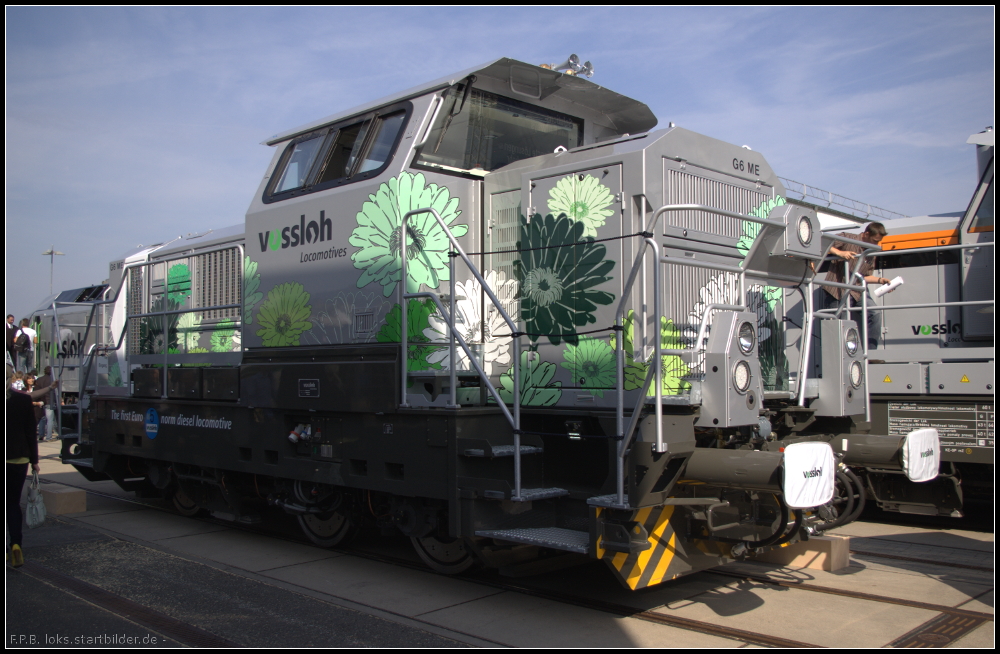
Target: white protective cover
[921,454]
[809,475]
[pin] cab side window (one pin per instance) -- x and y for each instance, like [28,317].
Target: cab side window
[337,155]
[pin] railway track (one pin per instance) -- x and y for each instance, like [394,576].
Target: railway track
[971,619]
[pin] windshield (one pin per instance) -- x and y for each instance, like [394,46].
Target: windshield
[492,131]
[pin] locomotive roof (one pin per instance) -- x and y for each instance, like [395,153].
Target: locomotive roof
[628,115]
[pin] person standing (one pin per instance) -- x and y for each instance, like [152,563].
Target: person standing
[47,428]
[9,336]
[22,450]
[849,250]
[25,348]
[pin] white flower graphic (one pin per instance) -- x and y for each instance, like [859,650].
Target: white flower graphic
[479,334]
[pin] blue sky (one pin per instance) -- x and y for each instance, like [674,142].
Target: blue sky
[128,126]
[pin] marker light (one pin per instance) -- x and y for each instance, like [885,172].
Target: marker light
[805,230]
[852,342]
[747,337]
[741,376]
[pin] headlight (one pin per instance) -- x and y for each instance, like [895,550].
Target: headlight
[747,338]
[852,342]
[741,376]
[857,374]
[805,230]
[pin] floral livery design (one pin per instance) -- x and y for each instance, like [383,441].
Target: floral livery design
[591,363]
[284,316]
[536,385]
[379,234]
[251,296]
[152,339]
[225,337]
[417,314]
[557,283]
[586,201]
[751,229]
[672,367]
[188,332]
[335,323]
[478,333]
[179,282]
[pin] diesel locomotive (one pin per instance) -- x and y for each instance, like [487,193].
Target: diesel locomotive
[505,316]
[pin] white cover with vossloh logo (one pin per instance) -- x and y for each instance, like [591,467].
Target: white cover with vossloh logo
[922,454]
[809,474]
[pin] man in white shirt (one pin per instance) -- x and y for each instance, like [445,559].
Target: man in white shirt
[26,357]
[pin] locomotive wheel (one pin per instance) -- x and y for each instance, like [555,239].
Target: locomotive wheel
[448,556]
[184,505]
[326,529]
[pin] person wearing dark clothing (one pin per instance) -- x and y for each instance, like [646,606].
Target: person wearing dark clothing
[849,251]
[22,450]
[9,338]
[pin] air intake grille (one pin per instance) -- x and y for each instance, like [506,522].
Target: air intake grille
[217,276]
[684,188]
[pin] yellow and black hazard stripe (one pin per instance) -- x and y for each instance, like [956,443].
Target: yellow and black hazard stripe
[641,569]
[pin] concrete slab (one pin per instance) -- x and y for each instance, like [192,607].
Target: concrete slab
[830,553]
[524,621]
[60,500]
[859,578]
[754,606]
[150,525]
[976,540]
[982,603]
[246,550]
[594,581]
[99,505]
[385,586]
[922,569]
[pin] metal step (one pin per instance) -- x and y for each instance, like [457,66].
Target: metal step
[84,463]
[608,501]
[503,450]
[552,537]
[532,494]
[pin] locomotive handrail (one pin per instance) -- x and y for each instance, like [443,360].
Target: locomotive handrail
[936,248]
[461,341]
[516,344]
[86,364]
[626,435]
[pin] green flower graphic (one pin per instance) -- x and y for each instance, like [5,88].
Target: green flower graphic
[672,367]
[224,337]
[591,363]
[417,320]
[537,387]
[587,201]
[751,229]
[179,282]
[379,234]
[251,296]
[115,372]
[188,331]
[284,315]
[557,293]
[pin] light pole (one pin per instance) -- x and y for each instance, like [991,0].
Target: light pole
[51,254]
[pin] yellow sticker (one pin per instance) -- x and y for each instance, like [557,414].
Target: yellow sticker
[887,380]
[964,379]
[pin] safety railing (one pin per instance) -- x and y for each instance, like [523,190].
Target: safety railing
[86,365]
[654,370]
[453,336]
